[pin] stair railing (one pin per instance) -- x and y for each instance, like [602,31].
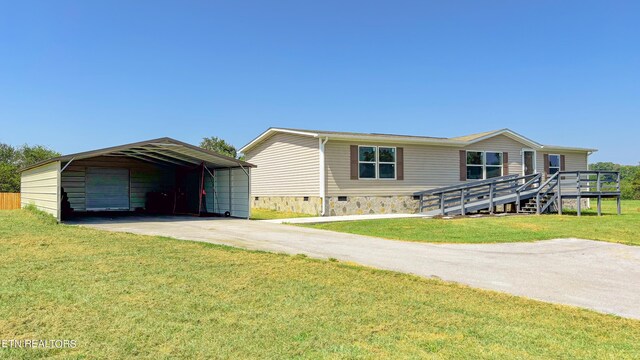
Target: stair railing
[463,194]
[528,185]
[550,184]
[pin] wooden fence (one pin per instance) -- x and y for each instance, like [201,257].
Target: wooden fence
[9,201]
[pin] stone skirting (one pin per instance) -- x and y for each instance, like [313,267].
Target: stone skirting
[572,204]
[312,206]
[358,205]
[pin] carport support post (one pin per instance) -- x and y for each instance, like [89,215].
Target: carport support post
[230,170]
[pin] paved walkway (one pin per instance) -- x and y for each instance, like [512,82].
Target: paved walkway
[327,219]
[597,275]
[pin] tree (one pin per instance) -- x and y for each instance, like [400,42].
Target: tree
[220,146]
[629,177]
[13,159]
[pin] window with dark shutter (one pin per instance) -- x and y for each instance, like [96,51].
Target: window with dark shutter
[505,163]
[463,165]
[400,163]
[354,162]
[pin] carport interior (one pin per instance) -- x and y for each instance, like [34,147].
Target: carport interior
[163,177]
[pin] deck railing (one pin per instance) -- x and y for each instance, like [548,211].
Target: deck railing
[464,194]
[574,184]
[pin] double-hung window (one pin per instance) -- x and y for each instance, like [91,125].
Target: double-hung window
[376,162]
[483,165]
[554,164]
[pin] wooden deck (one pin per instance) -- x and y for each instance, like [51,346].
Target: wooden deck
[537,197]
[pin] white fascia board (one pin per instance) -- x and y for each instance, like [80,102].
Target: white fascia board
[269,132]
[566,148]
[394,139]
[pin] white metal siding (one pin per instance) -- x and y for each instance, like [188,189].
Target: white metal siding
[287,165]
[222,199]
[239,193]
[40,187]
[234,191]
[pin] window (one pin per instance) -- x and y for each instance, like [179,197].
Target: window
[376,162]
[483,165]
[367,162]
[306,198]
[475,165]
[342,198]
[493,164]
[554,164]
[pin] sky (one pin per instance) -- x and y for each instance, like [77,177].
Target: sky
[81,75]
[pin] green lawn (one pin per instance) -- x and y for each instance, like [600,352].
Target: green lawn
[122,295]
[610,227]
[267,214]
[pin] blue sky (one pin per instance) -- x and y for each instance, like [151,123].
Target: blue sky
[87,74]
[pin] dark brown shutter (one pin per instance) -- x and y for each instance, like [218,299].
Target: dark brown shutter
[463,165]
[546,164]
[562,163]
[400,163]
[505,163]
[354,162]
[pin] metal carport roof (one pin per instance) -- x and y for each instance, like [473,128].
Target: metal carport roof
[162,151]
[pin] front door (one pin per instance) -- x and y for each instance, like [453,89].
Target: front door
[529,162]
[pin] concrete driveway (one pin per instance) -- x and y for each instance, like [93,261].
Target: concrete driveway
[596,275]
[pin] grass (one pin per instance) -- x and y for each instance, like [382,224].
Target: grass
[267,214]
[610,227]
[123,295]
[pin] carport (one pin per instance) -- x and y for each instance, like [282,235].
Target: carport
[160,176]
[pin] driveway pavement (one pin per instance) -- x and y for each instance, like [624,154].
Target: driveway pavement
[597,275]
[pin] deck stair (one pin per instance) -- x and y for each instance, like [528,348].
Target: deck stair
[526,194]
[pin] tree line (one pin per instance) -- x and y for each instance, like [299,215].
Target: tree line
[629,177]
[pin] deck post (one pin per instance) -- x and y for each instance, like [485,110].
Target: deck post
[518,202]
[442,203]
[538,204]
[462,202]
[599,205]
[559,196]
[491,198]
[579,204]
[619,207]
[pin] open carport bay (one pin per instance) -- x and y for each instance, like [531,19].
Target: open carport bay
[161,176]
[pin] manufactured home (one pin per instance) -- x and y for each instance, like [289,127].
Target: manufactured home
[160,176]
[344,173]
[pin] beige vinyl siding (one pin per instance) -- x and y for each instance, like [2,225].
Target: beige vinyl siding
[502,143]
[40,186]
[144,177]
[425,166]
[287,165]
[574,161]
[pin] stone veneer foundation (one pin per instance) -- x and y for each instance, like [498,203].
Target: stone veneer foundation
[358,205]
[312,206]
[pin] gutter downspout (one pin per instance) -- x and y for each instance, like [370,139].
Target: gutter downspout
[322,175]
